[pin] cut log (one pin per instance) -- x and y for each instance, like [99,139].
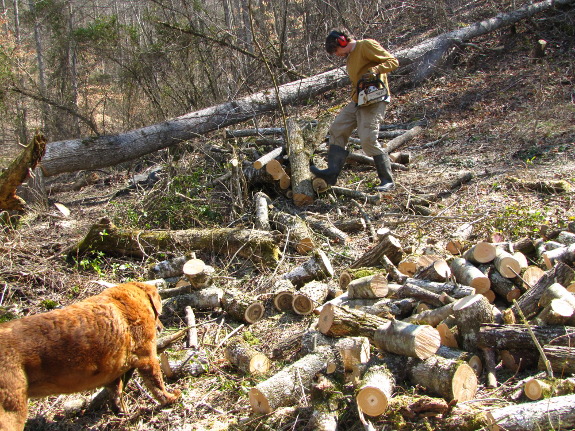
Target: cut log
[432,317]
[327,400]
[531,276]
[204,299]
[350,225]
[198,273]
[299,156]
[556,291]
[402,139]
[350,274]
[310,296]
[447,336]
[328,229]
[456,245]
[561,359]
[192,336]
[409,290]
[244,357]
[536,389]
[482,252]
[349,193]
[352,350]
[283,295]
[263,160]
[386,307]
[517,337]
[168,268]
[375,390]
[285,388]
[275,169]
[388,246]
[468,274]
[529,301]
[561,254]
[566,237]
[300,236]
[474,361]
[241,306]
[184,363]
[261,214]
[371,286]
[552,413]
[436,271]
[556,312]
[470,312]
[502,286]
[506,264]
[490,371]
[456,291]
[402,338]
[342,322]
[259,246]
[519,360]
[448,378]
[317,267]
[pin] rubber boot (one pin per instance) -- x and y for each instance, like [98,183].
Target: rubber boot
[336,156]
[383,167]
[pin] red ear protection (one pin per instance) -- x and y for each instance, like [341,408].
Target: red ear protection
[342,41]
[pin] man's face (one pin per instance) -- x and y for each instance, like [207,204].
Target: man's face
[341,52]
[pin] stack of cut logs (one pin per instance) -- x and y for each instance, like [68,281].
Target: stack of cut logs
[440,323]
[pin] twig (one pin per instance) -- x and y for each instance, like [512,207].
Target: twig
[227,337]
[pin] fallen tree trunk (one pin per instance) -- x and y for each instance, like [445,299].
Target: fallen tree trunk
[250,244]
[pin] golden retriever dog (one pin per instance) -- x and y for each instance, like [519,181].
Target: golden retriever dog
[83,346]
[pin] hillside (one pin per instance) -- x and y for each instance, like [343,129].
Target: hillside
[497,113]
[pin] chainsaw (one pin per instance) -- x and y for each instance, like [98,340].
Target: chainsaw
[370,89]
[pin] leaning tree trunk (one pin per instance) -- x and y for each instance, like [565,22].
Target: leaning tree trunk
[101,151]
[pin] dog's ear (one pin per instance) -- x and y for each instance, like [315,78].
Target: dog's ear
[156,302]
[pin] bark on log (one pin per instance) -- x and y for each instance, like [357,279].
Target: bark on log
[310,296]
[468,274]
[409,290]
[375,390]
[432,317]
[104,236]
[18,171]
[517,337]
[328,229]
[352,350]
[519,360]
[562,359]
[388,246]
[285,388]
[456,291]
[474,361]
[402,139]
[556,312]
[350,225]
[412,264]
[300,236]
[184,363]
[342,322]
[350,274]
[317,267]
[241,306]
[566,237]
[552,413]
[561,254]
[502,286]
[402,338]
[448,378]
[244,357]
[349,193]
[299,156]
[192,335]
[529,301]
[204,299]
[261,213]
[168,268]
[436,271]
[263,160]
[198,273]
[470,313]
[369,287]
[536,389]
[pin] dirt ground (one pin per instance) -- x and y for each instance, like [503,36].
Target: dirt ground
[497,113]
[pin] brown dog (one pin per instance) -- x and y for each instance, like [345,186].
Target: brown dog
[81,347]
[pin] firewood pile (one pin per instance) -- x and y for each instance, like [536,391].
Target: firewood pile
[445,326]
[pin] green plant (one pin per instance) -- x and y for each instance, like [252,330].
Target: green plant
[516,220]
[94,262]
[49,304]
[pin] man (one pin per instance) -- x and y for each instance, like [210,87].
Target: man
[366,61]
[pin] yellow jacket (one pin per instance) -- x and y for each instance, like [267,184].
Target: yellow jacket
[369,57]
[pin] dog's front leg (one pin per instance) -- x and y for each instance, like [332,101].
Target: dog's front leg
[13,400]
[152,376]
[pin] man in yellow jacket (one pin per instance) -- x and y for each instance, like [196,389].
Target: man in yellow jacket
[366,60]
